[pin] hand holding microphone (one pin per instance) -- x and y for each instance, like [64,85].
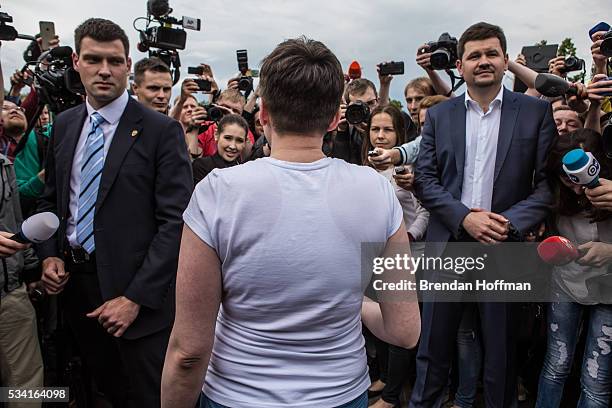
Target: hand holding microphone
[582,168]
[557,251]
[36,229]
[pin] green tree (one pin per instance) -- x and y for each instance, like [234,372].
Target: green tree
[395,103]
[567,48]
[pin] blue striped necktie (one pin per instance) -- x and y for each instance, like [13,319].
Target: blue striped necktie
[91,171]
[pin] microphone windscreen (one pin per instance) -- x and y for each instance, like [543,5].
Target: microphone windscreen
[557,251]
[63,52]
[40,227]
[551,85]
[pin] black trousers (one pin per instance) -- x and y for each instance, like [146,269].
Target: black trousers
[440,322]
[127,371]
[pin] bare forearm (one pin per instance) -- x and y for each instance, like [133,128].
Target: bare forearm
[182,379]
[383,97]
[177,109]
[526,75]
[592,119]
[441,87]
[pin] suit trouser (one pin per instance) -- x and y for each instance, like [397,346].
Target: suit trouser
[440,321]
[127,371]
[21,363]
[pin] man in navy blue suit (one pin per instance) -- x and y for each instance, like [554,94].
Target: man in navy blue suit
[481,175]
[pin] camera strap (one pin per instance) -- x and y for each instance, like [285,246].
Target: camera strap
[454,77]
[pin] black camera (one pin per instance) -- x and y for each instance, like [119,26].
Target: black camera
[245,82]
[573,64]
[606,44]
[7,33]
[164,41]
[444,53]
[357,112]
[214,113]
[56,82]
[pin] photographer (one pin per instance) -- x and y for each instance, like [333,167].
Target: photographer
[230,101]
[348,139]
[188,88]
[153,84]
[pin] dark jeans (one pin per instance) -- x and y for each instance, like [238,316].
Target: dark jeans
[359,402]
[564,320]
[469,358]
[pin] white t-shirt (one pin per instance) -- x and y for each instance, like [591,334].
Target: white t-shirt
[289,235]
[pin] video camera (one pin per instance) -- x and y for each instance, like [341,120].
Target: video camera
[164,41]
[444,53]
[9,33]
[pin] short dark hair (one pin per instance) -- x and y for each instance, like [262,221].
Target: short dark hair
[359,87]
[233,119]
[101,30]
[481,31]
[301,85]
[152,64]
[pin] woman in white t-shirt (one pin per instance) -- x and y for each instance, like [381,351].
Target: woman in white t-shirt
[271,275]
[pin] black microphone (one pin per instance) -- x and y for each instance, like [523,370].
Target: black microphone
[37,228]
[551,85]
[62,52]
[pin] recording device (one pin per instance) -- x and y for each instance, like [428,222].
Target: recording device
[245,82]
[354,71]
[392,68]
[9,33]
[581,168]
[573,64]
[551,85]
[214,113]
[357,112]
[204,85]
[400,170]
[56,82]
[606,44]
[199,70]
[537,57]
[38,228]
[557,251]
[444,53]
[372,153]
[164,41]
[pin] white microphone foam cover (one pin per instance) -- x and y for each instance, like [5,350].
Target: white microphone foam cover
[40,227]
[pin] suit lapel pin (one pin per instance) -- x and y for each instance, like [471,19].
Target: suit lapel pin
[134,133]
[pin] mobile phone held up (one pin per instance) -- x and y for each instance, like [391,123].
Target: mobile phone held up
[47,33]
[392,68]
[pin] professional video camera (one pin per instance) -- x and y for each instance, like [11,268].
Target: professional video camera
[164,41]
[444,53]
[9,33]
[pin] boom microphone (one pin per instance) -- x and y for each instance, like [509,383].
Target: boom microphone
[582,168]
[557,251]
[551,85]
[38,228]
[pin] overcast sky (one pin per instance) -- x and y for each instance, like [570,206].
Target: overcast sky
[368,31]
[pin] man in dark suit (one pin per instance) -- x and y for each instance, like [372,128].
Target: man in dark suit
[481,175]
[119,178]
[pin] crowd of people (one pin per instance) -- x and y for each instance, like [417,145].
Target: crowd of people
[210,253]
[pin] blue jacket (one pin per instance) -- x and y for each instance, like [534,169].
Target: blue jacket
[521,192]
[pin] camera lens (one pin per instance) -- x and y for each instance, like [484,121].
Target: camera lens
[440,59]
[215,114]
[606,44]
[357,112]
[244,84]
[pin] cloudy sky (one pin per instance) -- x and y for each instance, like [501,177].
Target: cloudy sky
[368,31]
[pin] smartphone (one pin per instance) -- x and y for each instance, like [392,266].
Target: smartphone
[195,70]
[372,153]
[203,84]
[400,170]
[47,33]
[392,68]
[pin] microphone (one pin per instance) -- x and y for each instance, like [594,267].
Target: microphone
[582,168]
[551,85]
[63,52]
[354,71]
[37,228]
[557,251]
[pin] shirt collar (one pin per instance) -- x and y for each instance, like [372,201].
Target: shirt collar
[111,112]
[498,100]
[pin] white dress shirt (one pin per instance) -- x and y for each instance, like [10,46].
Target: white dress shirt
[481,135]
[111,114]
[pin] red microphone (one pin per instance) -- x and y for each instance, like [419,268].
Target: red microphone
[558,251]
[354,71]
